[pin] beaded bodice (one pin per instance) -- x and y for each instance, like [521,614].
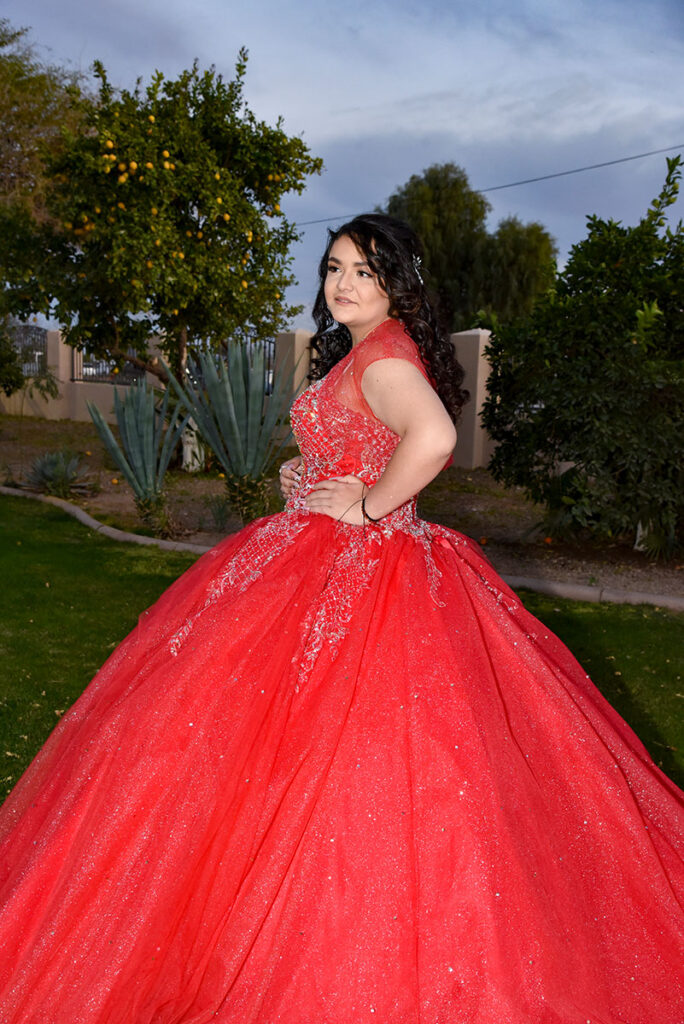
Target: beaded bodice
[336,430]
[337,435]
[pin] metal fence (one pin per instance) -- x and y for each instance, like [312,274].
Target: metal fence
[104,371]
[31,344]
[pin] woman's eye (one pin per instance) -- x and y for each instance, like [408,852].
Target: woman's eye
[332,268]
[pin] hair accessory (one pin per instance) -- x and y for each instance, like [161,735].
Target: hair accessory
[417,264]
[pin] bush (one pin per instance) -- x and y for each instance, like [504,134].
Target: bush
[241,418]
[147,443]
[60,474]
[586,395]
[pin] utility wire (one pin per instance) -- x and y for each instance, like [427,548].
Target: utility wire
[526,181]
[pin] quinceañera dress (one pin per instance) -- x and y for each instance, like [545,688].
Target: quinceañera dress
[339,775]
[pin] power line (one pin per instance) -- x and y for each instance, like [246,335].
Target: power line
[578,170]
[526,181]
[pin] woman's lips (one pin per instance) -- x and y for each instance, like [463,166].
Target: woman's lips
[343,300]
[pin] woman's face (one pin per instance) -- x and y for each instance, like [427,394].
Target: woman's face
[352,292]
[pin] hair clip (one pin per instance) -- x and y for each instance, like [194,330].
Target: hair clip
[417,263]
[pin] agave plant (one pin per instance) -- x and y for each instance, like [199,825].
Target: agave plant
[227,399]
[146,447]
[60,473]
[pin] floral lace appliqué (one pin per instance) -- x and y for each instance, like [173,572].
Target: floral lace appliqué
[272,538]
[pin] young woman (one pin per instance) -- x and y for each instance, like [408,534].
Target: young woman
[338,774]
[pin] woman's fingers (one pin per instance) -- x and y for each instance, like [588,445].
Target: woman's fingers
[290,474]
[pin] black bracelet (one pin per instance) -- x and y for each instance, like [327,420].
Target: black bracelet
[365,514]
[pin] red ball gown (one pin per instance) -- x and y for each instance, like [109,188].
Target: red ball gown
[339,775]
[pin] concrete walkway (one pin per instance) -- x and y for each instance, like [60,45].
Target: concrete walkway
[573,591]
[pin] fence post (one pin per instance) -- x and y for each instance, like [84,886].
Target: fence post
[292,357]
[474,446]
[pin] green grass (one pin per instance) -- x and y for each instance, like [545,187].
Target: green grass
[69,596]
[633,654]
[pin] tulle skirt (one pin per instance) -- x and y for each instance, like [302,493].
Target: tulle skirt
[335,777]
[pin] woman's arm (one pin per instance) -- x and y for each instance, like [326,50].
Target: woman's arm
[403,400]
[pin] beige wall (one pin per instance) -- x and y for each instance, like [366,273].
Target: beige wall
[474,445]
[66,363]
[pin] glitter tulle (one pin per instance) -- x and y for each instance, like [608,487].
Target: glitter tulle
[339,776]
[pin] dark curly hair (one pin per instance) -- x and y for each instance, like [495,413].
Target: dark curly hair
[393,252]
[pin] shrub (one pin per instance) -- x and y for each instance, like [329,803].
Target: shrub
[147,444]
[60,474]
[586,395]
[239,420]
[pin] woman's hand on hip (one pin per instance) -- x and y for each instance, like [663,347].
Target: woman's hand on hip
[339,498]
[290,475]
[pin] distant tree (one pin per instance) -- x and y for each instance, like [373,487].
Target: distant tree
[586,395]
[11,376]
[36,104]
[519,265]
[163,220]
[472,271]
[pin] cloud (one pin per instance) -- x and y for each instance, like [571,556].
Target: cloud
[381,89]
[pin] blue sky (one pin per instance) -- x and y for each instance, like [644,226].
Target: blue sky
[508,89]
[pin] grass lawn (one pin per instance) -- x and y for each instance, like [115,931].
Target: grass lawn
[70,596]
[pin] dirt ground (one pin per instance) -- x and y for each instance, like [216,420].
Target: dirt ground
[501,519]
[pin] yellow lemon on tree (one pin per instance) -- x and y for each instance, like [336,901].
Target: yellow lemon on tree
[149,166]
[157,241]
[219,200]
[122,178]
[109,144]
[122,167]
[154,211]
[133,166]
[243,283]
[166,154]
[151,118]
[226,216]
[200,234]
[217,176]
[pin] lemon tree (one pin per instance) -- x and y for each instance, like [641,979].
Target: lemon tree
[164,221]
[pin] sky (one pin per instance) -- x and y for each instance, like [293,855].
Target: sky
[507,89]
